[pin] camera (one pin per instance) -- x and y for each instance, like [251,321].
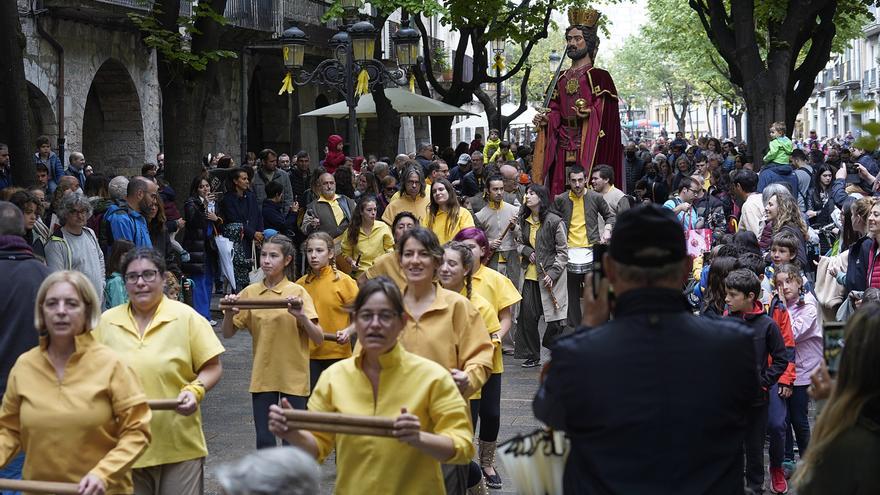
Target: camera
[852,173]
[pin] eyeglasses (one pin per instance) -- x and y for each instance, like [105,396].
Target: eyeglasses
[385,317]
[147,275]
[79,212]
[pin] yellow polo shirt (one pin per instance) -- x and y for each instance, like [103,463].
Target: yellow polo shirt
[452,334]
[96,420]
[281,348]
[495,288]
[389,266]
[174,346]
[418,207]
[332,292]
[366,464]
[369,246]
[493,326]
[440,225]
[577,227]
[532,269]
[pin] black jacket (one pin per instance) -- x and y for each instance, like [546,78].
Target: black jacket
[647,395]
[768,343]
[857,265]
[196,240]
[276,217]
[17,333]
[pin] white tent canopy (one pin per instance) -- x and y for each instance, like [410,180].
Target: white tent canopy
[506,109]
[403,101]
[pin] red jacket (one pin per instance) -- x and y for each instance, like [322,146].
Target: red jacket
[779,313]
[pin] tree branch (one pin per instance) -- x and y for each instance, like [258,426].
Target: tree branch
[528,49]
[428,63]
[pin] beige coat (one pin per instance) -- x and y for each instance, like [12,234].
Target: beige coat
[552,252]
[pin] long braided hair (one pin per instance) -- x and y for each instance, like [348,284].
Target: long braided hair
[467,261]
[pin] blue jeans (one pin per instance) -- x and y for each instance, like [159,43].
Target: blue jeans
[776,424]
[203,288]
[12,471]
[798,418]
[261,402]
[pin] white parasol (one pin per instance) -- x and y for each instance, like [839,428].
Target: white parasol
[536,461]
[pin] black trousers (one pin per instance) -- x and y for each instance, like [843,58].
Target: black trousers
[527,344]
[575,288]
[316,367]
[261,402]
[756,431]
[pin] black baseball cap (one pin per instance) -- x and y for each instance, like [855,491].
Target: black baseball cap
[647,235]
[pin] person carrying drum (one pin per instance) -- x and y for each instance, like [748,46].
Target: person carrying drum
[580,209]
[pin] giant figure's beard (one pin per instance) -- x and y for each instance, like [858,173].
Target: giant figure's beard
[576,54]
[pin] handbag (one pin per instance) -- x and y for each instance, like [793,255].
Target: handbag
[698,241]
[256,274]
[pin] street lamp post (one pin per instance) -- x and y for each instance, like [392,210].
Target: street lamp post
[352,71]
[498,48]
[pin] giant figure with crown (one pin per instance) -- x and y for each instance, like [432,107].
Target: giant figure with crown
[582,121]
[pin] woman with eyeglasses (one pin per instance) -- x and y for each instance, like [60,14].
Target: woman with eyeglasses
[72,405]
[75,246]
[176,355]
[431,424]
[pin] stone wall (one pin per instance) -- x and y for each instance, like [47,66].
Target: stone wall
[111,92]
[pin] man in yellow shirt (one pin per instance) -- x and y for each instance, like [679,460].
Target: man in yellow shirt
[331,212]
[414,198]
[580,209]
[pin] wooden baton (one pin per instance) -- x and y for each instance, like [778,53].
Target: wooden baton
[163,404]
[39,486]
[339,419]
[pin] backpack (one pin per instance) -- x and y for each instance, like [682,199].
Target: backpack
[105,232]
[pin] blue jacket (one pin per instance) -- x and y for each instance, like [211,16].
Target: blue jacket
[128,224]
[243,210]
[276,216]
[56,169]
[771,174]
[640,393]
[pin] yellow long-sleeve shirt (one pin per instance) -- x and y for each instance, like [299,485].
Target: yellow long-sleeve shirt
[452,333]
[369,246]
[490,319]
[281,348]
[389,266]
[332,293]
[440,224]
[418,207]
[94,420]
[367,464]
[174,346]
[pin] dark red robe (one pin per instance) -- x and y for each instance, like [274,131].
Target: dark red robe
[597,145]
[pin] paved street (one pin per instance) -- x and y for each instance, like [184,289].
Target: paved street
[229,424]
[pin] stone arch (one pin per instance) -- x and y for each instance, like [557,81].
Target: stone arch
[113,130]
[43,120]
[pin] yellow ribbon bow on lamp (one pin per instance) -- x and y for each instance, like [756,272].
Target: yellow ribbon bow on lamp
[499,63]
[363,83]
[286,85]
[412,83]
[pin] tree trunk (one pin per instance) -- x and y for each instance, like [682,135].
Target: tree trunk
[389,123]
[709,105]
[183,104]
[440,134]
[737,122]
[13,88]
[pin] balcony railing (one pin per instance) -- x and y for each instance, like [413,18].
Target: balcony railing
[307,12]
[259,15]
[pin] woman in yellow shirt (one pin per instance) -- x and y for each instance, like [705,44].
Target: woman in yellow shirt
[332,293]
[175,353]
[281,336]
[76,410]
[446,217]
[430,416]
[366,239]
[495,287]
[455,275]
[388,264]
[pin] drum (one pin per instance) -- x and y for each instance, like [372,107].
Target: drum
[580,260]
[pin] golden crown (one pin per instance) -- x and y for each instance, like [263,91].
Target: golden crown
[583,16]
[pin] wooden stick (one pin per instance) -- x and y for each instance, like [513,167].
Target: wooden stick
[549,288]
[329,337]
[163,404]
[255,304]
[343,429]
[339,419]
[39,486]
[510,225]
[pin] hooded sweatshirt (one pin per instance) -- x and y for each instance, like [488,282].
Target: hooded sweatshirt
[768,344]
[335,158]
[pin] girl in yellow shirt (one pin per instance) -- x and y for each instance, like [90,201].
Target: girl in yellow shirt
[388,264]
[332,292]
[281,336]
[430,416]
[366,239]
[446,217]
[455,275]
[72,405]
